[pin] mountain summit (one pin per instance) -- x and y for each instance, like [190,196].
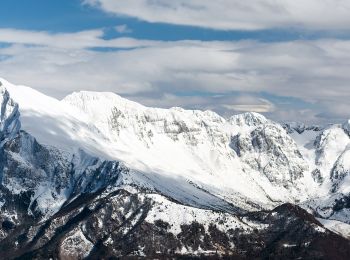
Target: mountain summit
[96,175]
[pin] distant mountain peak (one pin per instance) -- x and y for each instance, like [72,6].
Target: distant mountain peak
[249,119]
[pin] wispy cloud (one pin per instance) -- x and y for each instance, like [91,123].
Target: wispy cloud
[166,73]
[123,28]
[249,103]
[236,14]
[76,40]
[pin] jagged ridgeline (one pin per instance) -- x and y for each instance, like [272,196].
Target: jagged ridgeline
[97,176]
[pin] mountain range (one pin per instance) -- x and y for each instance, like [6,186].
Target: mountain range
[96,176]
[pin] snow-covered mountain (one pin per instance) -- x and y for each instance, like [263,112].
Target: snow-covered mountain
[96,174]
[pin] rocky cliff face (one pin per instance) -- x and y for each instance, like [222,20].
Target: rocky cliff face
[111,178]
[9,115]
[269,150]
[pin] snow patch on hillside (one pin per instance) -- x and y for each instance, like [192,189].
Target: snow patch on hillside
[338,227]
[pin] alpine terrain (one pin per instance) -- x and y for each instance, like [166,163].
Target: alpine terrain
[96,176]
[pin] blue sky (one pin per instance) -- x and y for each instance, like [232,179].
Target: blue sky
[274,57]
[71,16]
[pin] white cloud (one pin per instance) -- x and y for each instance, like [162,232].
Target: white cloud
[248,103]
[236,14]
[77,40]
[123,28]
[154,73]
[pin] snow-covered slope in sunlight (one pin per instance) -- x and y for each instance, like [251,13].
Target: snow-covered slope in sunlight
[247,159]
[95,168]
[338,227]
[326,150]
[191,155]
[55,123]
[199,146]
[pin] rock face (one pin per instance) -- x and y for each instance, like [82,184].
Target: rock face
[116,225]
[300,127]
[97,176]
[269,150]
[9,115]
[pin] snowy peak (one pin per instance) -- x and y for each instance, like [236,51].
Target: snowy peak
[271,151]
[346,127]
[95,170]
[245,158]
[117,117]
[9,115]
[300,128]
[97,103]
[248,119]
[104,104]
[198,146]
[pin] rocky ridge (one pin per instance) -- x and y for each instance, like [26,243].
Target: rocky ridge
[234,192]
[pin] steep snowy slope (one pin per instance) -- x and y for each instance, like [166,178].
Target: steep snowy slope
[54,123]
[200,147]
[194,156]
[168,146]
[247,160]
[327,152]
[98,175]
[9,115]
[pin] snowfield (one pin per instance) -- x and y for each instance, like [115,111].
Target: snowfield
[198,158]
